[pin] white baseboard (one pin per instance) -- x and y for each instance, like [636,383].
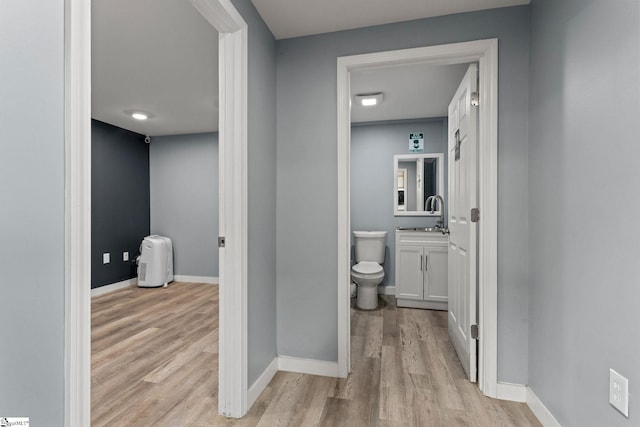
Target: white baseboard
[262,382]
[425,305]
[387,290]
[113,287]
[522,393]
[512,392]
[196,279]
[308,366]
[540,411]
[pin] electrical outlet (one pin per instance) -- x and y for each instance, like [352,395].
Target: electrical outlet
[125,256]
[619,392]
[106,258]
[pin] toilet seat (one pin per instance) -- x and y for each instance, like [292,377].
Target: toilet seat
[367,273]
[367,268]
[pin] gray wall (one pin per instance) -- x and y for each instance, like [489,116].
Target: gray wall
[184,199]
[307,177]
[584,298]
[32,195]
[119,201]
[372,149]
[32,214]
[584,86]
[262,191]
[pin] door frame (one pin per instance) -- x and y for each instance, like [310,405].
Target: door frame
[485,52]
[232,365]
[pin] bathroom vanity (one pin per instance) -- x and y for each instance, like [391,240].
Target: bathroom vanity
[421,268]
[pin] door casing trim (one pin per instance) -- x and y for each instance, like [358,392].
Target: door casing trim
[232,31]
[485,52]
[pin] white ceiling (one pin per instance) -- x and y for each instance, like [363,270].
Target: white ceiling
[160,56]
[295,18]
[410,91]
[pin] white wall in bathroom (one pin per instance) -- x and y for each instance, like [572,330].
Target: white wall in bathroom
[372,149]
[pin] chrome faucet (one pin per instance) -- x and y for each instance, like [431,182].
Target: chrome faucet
[431,202]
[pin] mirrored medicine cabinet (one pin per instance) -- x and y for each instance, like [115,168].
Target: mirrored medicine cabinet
[416,177]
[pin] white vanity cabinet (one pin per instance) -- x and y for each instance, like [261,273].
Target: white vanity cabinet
[421,269]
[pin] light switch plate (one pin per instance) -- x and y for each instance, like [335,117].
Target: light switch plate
[106,258]
[619,392]
[125,256]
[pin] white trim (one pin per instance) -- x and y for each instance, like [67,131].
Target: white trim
[387,290]
[233,189]
[95,292]
[221,15]
[77,250]
[488,225]
[196,279]
[421,202]
[512,392]
[486,53]
[262,382]
[308,366]
[232,31]
[344,219]
[540,410]
[422,304]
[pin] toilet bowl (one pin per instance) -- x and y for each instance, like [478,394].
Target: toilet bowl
[367,273]
[367,276]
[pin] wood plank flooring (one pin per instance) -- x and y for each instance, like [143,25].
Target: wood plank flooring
[155,355]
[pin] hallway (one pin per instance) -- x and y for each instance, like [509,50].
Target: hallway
[404,373]
[155,356]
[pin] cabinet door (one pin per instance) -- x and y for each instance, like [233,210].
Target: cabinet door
[409,272]
[435,276]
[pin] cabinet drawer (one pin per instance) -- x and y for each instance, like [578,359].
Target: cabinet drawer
[421,238]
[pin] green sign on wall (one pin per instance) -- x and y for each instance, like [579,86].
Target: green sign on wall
[416,142]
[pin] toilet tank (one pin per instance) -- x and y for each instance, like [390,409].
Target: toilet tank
[370,245]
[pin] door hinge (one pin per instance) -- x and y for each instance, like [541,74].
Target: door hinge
[475,99]
[475,215]
[474,332]
[221,242]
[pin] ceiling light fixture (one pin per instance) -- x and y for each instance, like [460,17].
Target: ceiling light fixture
[139,115]
[369,99]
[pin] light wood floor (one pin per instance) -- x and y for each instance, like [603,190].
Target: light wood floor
[155,355]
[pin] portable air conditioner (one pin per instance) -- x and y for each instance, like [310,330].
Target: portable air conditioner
[155,264]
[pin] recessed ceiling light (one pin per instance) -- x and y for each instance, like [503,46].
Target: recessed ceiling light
[138,115]
[369,99]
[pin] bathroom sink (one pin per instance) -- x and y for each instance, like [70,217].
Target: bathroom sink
[425,229]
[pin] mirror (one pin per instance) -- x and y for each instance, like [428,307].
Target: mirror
[417,176]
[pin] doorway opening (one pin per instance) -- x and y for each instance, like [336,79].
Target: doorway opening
[232,42]
[485,53]
[154,349]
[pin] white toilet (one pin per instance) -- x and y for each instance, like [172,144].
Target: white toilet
[367,273]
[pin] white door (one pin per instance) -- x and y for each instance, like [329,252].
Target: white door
[463,119]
